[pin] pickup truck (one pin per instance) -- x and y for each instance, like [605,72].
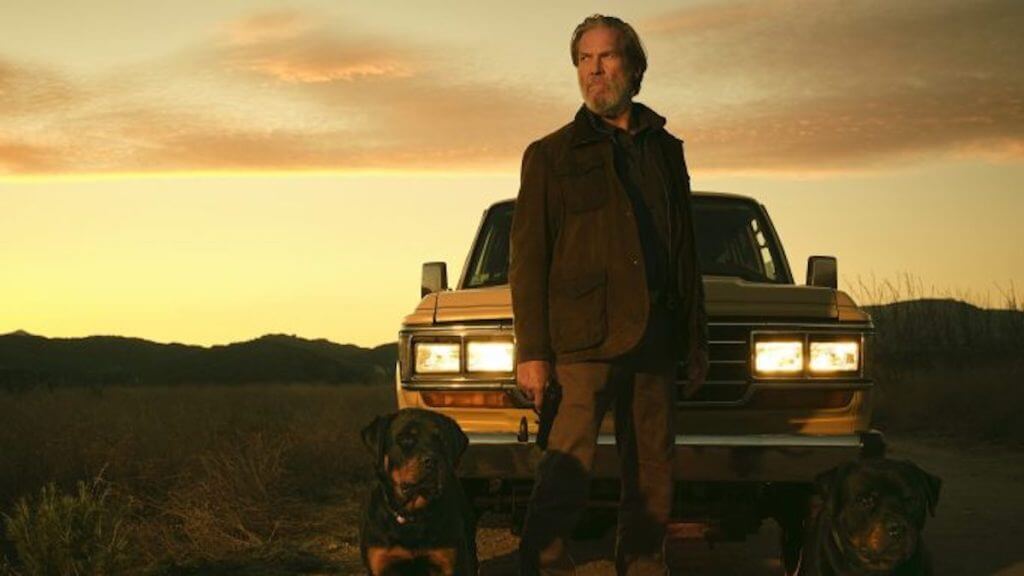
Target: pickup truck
[788,394]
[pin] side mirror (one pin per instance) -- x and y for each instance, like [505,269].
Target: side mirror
[435,278]
[823,271]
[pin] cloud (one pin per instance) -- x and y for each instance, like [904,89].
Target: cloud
[711,17]
[307,99]
[265,26]
[16,156]
[30,90]
[788,85]
[750,86]
[285,46]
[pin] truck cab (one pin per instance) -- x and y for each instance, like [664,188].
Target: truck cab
[788,394]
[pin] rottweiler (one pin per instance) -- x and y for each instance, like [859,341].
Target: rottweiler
[870,521]
[417,519]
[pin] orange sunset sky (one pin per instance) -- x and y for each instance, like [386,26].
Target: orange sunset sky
[206,172]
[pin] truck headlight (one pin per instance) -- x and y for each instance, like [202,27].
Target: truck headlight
[490,356]
[779,357]
[836,356]
[436,357]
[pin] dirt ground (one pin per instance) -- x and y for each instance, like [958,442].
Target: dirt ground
[978,529]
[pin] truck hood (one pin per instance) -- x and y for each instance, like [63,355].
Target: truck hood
[725,297]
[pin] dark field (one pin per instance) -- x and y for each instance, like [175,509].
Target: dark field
[191,480]
[269,479]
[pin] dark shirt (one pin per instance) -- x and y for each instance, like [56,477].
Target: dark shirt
[639,167]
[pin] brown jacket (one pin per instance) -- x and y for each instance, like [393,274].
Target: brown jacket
[579,290]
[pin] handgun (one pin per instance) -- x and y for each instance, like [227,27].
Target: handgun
[548,410]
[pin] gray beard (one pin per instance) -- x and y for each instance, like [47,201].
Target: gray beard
[608,109]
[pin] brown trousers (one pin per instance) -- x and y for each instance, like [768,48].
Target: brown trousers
[641,386]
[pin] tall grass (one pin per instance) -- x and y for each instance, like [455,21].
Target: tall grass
[215,473]
[82,533]
[943,365]
[919,325]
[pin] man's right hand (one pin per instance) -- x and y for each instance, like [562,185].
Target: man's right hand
[532,378]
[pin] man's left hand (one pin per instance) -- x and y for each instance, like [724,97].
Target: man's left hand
[696,371]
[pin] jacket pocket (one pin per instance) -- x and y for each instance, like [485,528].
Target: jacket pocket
[586,188]
[578,312]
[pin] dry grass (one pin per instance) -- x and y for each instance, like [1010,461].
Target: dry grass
[222,478]
[267,479]
[944,366]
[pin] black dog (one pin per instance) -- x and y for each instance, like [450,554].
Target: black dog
[418,520]
[870,521]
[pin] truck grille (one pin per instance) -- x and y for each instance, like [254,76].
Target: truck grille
[729,376]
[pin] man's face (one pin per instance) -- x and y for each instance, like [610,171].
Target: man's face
[603,72]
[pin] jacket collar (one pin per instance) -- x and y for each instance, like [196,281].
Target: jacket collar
[586,127]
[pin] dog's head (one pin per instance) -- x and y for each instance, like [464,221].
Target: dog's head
[878,509]
[416,452]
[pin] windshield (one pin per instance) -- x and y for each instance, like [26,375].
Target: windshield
[733,239]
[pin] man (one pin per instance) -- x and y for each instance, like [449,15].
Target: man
[607,298]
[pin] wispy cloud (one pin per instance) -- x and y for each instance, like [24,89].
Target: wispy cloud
[792,85]
[337,101]
[18,156]
[265,26]
[288,47]
[30,90]
[783,85]
[711,17]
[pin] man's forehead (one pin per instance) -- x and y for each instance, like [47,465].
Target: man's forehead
[600,38]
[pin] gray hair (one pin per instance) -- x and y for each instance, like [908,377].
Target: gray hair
[632,48]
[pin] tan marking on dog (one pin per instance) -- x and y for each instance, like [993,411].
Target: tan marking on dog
[411,472]
[380,558]
[442,560]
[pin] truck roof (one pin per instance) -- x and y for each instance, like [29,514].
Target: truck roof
[698,193]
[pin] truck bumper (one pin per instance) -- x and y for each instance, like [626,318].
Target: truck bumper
[699,458]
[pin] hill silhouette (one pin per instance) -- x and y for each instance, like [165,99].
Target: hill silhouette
[28,360]
[925,331]
[944,329]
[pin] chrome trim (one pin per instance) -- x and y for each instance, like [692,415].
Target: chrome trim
[458,329]
[832,324]
[730,441]
[827,324]
[449,385]
[817,384]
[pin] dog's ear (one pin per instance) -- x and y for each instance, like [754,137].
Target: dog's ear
[929,485]
[829,484]
[455,440]
[375,433]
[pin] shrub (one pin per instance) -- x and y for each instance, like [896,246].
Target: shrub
[75,534]
[235,502]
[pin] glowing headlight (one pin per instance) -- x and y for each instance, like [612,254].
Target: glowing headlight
[489,356]
[835,356]
[436,357]
[779,357]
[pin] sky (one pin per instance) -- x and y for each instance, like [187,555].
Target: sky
[209,172]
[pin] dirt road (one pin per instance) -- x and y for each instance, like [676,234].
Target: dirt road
[978,529]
